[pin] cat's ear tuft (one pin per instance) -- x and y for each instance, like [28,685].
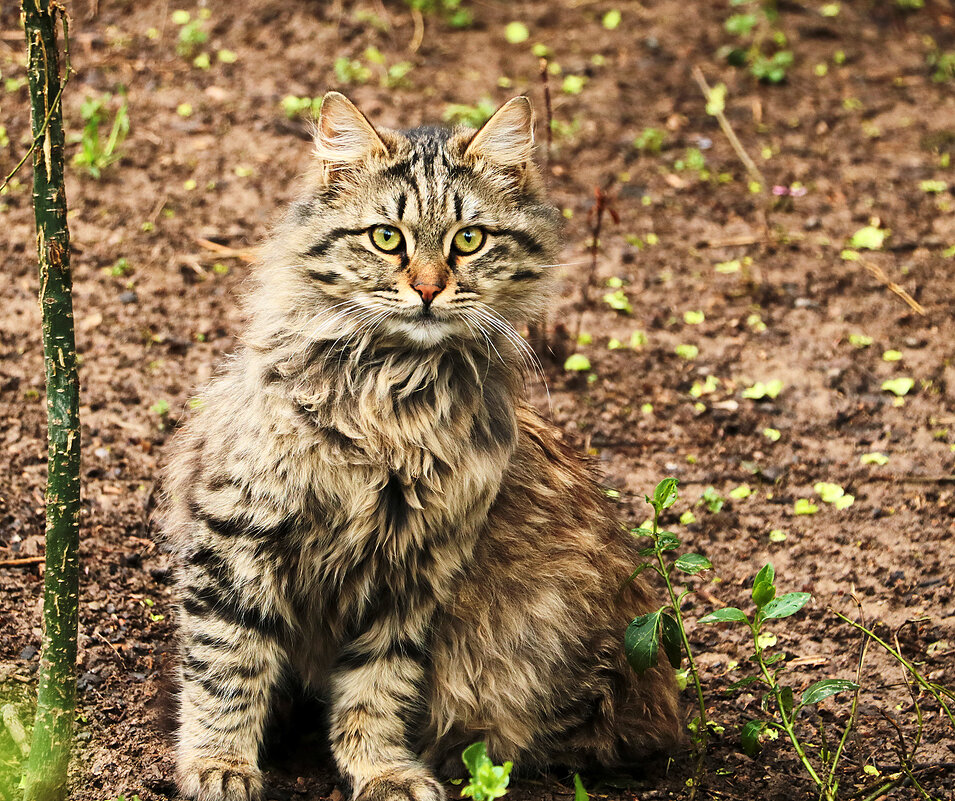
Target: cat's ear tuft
[343,135]
[507,138]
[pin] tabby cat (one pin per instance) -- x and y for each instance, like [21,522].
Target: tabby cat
[366,500]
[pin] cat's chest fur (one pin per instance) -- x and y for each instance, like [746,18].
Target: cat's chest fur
[402,454]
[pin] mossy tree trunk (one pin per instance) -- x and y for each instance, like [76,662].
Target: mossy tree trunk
[45,778]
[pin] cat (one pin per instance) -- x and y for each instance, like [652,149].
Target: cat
[365,498]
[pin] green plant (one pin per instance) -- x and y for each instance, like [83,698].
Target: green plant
[472,116]
[191,36]
[351,70]
[488,781]
[650,140]
[769,668]
[943,64]
[96,155]
[451,11]
[762,45]
[666,625]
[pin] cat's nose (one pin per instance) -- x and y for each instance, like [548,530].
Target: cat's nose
[428,292]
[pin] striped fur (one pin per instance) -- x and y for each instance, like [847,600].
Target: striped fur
[365,498]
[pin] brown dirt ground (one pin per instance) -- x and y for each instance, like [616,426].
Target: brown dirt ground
[860,139]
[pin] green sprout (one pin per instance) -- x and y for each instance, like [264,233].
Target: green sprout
[488,781]
[95,155]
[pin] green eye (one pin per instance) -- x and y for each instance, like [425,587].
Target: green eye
[386,238]
[469,240]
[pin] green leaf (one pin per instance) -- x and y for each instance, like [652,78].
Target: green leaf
[729,614]
[473,756]
[692,563]
[716,104]
[765,574]
[786,605]
[749,736]
[665,495]
[580,794]
[786,699]
[488,781]
[672,641]
[829,493]
[641,643]
[777,535]
[869,238]
[667,541]
[577,362]
[688,352]
[516,32]
[845,501]
[899,386]
[611,21]
[687,518]
[823,689]
[574,85]
[803,506]
[874,458]
[741,492]
[763,593]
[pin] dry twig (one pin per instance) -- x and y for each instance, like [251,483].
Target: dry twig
[879,274]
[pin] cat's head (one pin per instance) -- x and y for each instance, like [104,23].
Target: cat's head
[422,236]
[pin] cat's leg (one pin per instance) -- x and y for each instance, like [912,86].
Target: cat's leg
[231,660]
[375,690]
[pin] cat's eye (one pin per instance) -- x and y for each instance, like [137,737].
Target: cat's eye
[468,240]
[386,238]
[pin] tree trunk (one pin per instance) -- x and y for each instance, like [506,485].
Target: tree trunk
[45,778]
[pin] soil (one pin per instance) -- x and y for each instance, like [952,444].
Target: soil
[857,142]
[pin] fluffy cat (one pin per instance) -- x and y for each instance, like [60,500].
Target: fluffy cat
[365,498]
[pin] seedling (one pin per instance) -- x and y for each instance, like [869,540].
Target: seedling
[712,500]
[577,362]
[650,140]
[666,625]
[516,33]
[869,238]
[769,607]
[688,352]
[762,43]
[874,458]
[451,11]
[488,781]
[618,301]
[898,386]
[759,390]
[471,116]
[96,155]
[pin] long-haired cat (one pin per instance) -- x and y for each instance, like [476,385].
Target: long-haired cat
[365,498]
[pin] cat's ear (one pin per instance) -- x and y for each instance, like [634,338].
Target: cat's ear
[343,136]
[507,139]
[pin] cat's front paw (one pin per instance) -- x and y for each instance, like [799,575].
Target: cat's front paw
[220,780]
[404,784]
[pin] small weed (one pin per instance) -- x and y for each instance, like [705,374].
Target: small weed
[943,64]
[294,106]
[351,71]
[666,625]
[488,781]
[770,667]
[577,362]
[687,352]
[451,11]
[762,47]
[471,116]
[96,155]
[712,500]
[618,301]
[516,33]
[760,391]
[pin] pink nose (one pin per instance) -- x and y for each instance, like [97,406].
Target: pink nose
[428,292]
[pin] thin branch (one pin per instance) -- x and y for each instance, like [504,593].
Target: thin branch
[748,163]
